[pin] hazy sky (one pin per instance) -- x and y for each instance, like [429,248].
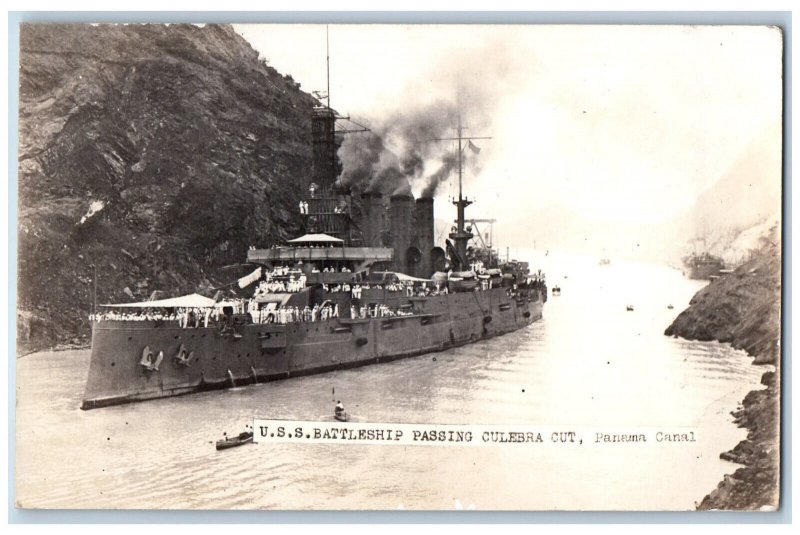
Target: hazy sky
[614,123]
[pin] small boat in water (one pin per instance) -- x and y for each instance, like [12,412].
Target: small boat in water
[339,413]
[556,290]
[629,308]
[245,437]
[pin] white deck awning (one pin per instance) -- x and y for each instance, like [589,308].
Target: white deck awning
[316,238]
[402,277]
[188,301]
[408,278]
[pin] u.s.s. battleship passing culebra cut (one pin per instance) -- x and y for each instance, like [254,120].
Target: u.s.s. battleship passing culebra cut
[353,290]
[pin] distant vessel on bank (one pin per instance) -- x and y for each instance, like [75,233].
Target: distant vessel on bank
[700,264]
[703,266]
[353,290]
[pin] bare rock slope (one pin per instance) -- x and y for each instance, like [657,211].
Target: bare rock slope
[741,308]
[176,144]
[744,308]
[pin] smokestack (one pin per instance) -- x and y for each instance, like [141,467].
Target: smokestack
[323,142]
[424,235]
[401,215]
[373,222]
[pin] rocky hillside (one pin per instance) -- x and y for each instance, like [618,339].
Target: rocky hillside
[156,154]
[754,486]
[744,309]
[741,308]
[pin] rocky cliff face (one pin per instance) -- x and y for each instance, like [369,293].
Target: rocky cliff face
[741,308]
[155,153]
[744,309]
[754,486]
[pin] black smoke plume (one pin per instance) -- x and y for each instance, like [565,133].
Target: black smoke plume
[408,145]
[393,155]
[449,163]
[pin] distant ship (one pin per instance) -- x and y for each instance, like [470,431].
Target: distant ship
[353,290]
[704,266]
[604,262]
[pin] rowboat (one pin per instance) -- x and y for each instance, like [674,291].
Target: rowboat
[243,438]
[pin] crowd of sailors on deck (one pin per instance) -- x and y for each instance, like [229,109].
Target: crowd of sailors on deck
[410,289]
[283,279]
[278,283]
[296,314]
[278,286]
[376,311]
[330,269]
[279,271]
[186,317]
[203,317]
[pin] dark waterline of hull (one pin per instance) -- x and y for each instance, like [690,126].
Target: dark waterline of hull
[222,385]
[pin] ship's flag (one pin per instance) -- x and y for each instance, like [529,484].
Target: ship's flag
[250,279]
[474,148]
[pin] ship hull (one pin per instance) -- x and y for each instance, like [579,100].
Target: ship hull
[704,272]
[255,353]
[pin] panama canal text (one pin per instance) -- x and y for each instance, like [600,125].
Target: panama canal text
[291,431]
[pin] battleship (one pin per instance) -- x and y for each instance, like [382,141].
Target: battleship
[364,284]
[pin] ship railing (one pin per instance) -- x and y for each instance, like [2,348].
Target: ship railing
[335,277]
[153,322]
[345,254]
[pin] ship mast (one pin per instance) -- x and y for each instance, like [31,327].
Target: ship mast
[327,210]
[461,236]
[328,66]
